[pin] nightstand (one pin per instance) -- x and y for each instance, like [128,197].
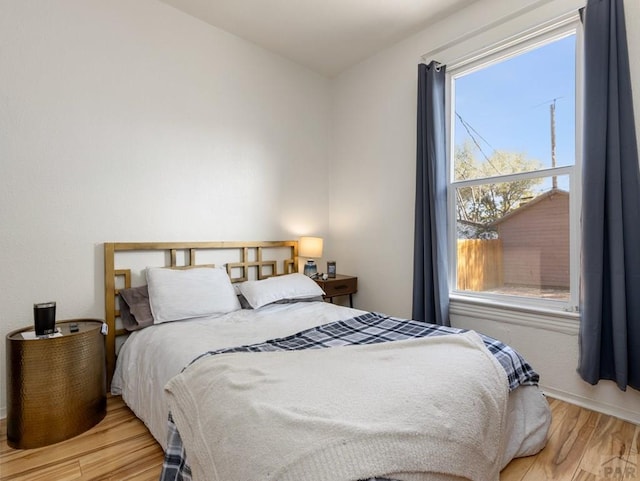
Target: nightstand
[56,387]
[339,286]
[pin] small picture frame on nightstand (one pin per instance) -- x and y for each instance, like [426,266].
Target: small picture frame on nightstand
[331,269]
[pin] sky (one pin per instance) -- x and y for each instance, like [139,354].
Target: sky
[507,104]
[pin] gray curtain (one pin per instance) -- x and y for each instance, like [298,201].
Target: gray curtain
[610,291]
[430,284]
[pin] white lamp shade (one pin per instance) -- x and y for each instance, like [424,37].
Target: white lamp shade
[310,247]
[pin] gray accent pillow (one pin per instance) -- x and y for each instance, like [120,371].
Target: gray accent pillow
[135,310]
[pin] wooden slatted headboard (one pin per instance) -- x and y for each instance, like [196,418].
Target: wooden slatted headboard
[243,260]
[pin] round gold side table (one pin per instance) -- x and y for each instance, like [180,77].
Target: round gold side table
[56,387]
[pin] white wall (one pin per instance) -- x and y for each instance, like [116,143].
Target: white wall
[372,172]
[130,121]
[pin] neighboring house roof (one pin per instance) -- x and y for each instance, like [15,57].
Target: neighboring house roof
[466,229]
[531,203]
[473,230]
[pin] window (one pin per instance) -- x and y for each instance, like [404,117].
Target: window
[514,190]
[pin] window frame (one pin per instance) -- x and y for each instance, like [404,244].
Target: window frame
[556,29]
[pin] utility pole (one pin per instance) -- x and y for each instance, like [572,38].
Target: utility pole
[552,112]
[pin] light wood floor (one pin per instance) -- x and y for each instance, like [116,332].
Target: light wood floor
[583,446]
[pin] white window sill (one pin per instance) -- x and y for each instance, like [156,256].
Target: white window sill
[556,320]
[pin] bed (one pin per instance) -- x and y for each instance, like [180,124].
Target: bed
[150,375]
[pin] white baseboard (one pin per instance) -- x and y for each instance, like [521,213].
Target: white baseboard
[3,412]
[615,411]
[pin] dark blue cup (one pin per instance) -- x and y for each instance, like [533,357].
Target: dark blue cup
[44,318]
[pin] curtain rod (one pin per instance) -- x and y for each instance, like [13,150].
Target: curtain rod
[561,20]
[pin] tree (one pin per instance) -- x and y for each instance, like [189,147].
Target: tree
[485,203]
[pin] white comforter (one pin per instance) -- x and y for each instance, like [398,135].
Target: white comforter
[400,410]
[151,357]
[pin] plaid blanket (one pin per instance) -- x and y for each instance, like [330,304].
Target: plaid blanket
[369,328]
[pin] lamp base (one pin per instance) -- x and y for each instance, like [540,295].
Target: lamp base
[310,268]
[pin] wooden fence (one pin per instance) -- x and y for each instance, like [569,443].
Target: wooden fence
[479,264]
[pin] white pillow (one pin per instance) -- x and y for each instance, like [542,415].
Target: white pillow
[272,289]
[176,294]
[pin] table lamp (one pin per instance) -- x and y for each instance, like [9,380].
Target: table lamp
[311,248]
